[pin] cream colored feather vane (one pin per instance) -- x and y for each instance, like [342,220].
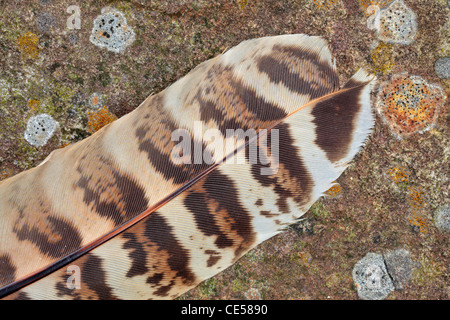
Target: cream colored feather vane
[115,216]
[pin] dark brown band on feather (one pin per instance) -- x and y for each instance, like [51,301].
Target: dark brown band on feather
[94,277]
[161,234]
[334,119]
[7,270]
[288,64]
[68,238]
[223,192]
[199,204]
[121,199]
[292,179]
[137,254]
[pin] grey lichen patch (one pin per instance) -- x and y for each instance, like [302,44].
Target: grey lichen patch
[371,277]
[442,219]
[400,267]
[73,38]
[96,100]
[45,22]
[111,31]
[396,23]
[442,67]
[40,129]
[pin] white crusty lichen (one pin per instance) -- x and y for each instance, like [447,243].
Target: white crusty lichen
[40,129]
[111,31]
[371,277]
[396,23]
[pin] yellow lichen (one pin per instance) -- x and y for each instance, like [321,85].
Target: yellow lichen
[382,58]
[242,4]
[430,270]
[100,118]
[305,258]
[28,45]
[33,104]
[415,198]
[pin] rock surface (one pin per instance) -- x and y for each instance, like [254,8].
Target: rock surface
[371,277]
[399,267]
[442,68]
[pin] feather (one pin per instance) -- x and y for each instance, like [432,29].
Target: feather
[132,213]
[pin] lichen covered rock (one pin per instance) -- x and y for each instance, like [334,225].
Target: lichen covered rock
[399,266]
[28,45]
[111,31]
[40,129]
[409,104]
[100,118]
[442,67]
[442,219]
[335,191]
[45,22]
[382,58]
[371,277]
[396,23]
[96,100]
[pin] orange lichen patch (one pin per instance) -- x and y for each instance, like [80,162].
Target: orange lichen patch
[422,222]
[335,191]
[99,119]
[415,198]
[4,175]
[28,45]
[409,104]
[382,58]
[398,174]
[33,104]
[64,145]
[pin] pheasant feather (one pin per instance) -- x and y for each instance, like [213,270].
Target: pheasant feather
[150,206]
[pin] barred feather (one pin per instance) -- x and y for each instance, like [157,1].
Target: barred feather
[137,224]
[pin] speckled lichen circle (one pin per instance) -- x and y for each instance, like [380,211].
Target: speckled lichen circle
[396,23]
[409,104]
[40,129]
[111,31]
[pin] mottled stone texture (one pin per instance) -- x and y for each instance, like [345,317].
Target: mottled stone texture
[371,277]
